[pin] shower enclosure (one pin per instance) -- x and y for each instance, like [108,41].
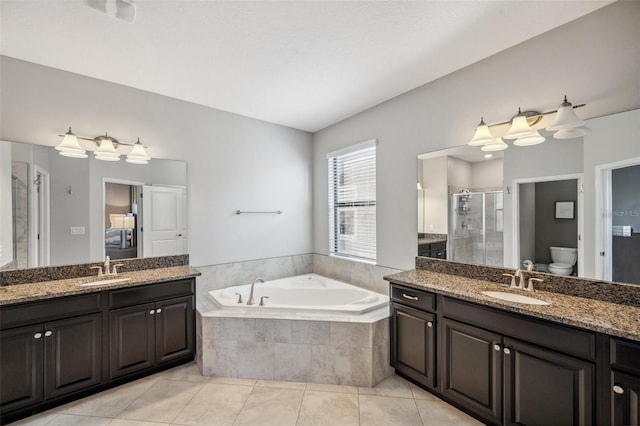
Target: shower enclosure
[475,228]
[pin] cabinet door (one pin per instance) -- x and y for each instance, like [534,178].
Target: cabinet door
[21,352]
[174,328]
[545,387]
[413,344]
[625,389]
[72,354]
[472,369]
[132,339]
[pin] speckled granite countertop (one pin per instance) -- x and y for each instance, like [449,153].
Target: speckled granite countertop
[605,317]
[30,292]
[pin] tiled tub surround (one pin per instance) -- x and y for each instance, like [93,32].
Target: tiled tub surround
[617,318]
[341,350]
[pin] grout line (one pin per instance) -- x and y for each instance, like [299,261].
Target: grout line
[190,399]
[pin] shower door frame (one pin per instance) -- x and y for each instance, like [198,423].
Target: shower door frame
[515,223]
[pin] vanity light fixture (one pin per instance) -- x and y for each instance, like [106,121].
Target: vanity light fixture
[104,148]
[566,125]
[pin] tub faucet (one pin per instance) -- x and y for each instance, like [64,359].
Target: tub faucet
[250,300]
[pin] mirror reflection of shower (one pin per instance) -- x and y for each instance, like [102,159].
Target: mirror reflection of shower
[20,213]
[476,226]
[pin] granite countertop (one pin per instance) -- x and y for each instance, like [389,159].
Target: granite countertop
[604,317]
[431,240]
[20,293]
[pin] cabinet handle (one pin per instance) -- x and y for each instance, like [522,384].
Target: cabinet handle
[48,333]
[152,311]
[406,296]
[618,389]
[37,336]
[429,324]
[506,351]
[496,347]
[158,310]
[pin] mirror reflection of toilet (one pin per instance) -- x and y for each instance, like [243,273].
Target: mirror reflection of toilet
[563,259]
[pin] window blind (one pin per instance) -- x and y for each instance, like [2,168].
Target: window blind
[352,202]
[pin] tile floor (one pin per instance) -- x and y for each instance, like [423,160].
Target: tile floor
[182,396]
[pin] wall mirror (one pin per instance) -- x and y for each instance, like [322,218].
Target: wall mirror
[570,206]
[58,210]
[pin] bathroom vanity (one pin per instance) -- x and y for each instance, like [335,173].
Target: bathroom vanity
[575,361]
[60,341]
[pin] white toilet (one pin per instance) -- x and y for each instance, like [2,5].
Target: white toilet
[563,259]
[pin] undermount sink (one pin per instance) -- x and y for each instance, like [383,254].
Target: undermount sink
[93,281]
[512,297]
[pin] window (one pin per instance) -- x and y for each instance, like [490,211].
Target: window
[352,201]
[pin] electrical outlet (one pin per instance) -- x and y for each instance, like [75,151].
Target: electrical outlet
[77,230]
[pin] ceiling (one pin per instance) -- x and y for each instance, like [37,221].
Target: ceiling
[302,64]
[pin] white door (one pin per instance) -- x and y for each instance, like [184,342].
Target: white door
[164,230]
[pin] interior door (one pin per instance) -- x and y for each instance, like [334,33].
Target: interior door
[164,230]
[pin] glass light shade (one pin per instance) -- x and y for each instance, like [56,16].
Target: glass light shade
[482,135]
[70,144]
[106,151]
[74,154]
[532,139]
[519,128]
[138,155]
[566,118]
[496,145]
[571,133]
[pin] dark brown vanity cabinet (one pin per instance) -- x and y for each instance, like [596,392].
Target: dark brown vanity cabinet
[149,334]
[413,334]
[45,360]
[625,382]
[60,349]
[503,368]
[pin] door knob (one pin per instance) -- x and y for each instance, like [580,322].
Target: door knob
[429,324]
[158,310]
[48,333]
[618,389]
[37,336]
[506,351]
[496,347]
[152,311]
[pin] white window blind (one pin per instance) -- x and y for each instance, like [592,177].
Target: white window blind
[352,201]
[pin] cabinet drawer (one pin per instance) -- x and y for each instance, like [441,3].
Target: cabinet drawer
[564,339]
[412,297]
[149,293]
[625,355]
[47,310]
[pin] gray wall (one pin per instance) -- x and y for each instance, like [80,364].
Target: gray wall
[625,197]
[234,162]
[549,230]
[594,59]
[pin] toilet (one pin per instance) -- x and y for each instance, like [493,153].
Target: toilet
[563,259]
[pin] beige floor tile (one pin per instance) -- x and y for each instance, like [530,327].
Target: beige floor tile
[109,403]
[439,413]
[186,372]
[232,381]
[72,420]
[37,419]
[279,384]
[328,408]
[394,386]
[162,402]
[214,404]
[127,422]
[322,387]
[419,393]
[271,406]
[381,410]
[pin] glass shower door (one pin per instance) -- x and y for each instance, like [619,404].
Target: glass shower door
[467,228]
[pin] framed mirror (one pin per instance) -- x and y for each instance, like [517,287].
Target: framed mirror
[568,206]
[58,210]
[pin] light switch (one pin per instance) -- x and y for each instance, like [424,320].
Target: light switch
[77,230]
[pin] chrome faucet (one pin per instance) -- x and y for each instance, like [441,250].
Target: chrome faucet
[250,300]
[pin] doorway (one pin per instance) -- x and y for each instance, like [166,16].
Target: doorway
[618,200]
[548,212]
[121,219]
